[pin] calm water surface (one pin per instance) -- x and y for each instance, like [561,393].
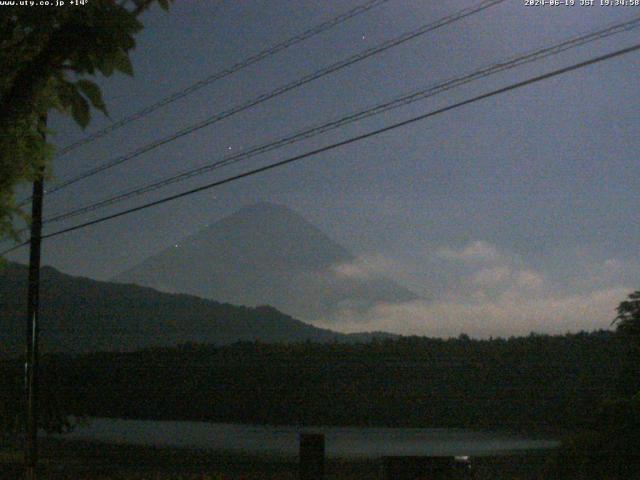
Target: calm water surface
[277,440]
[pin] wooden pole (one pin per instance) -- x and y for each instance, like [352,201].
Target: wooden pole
[33,300]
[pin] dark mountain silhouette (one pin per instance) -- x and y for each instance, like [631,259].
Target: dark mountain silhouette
[267,254]
[82,315]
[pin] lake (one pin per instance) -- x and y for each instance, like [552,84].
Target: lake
[344,442]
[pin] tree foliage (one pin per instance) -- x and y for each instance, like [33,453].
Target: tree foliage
[608,450]
[535,382]
[46,58]
[628,318]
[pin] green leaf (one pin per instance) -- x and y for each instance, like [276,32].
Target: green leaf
[93,93]
[105,65]
[121,62]
[80,109]
[65,95]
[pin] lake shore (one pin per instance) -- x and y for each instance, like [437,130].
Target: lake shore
[282,440]
[63,459]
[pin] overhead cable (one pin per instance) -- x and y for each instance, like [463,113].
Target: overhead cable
[493,93]
[242,64]
[397,102]
[466,12]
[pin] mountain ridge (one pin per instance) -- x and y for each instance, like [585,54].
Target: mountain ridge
[79,315]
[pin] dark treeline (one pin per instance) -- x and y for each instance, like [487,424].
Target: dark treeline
[537,382]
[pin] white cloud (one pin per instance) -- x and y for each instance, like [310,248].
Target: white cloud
[491,276]
[499,317]
[592,274]
[351,270]
[491,273]
[475,251]
[490,291]
[364,267]
[529,280]
[505,280]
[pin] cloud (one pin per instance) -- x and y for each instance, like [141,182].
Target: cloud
[592,274]
[476,251]
[529,280]
[491,317]
[490,291]
[492,276]
[492,271]
[364,267]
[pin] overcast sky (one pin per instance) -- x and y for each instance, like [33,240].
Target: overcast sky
[514,214]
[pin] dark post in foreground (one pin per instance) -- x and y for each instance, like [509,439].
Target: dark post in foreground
[311,456]
[31,360]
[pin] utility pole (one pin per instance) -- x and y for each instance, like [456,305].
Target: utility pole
[31,360]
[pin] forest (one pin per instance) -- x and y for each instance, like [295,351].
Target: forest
[533,383]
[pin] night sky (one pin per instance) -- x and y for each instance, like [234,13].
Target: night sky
[514,214]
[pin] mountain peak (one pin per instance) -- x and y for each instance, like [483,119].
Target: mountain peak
[265,213]
[264,253]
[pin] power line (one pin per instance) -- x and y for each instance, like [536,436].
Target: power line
[281,90]
[403,100]
[313,31]
[333,146]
